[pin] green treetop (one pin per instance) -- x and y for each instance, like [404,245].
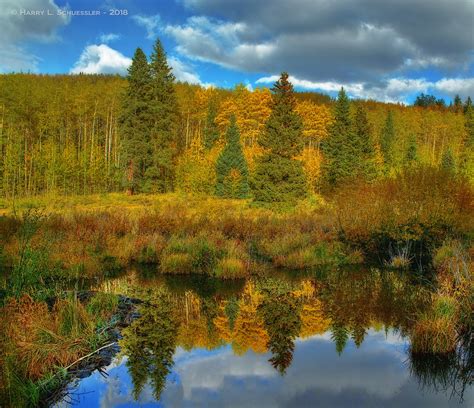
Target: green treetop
[283,129]
[341,145]
[231,167]
[278,176]
[164,108]
[364,156]
[135,123]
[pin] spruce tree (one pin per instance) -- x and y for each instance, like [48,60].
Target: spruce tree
[447,161]
[364,150]
[211,132]
[387,139]
[231,167]
[278,176]
[467,104]
[135,123]
[411,156]
[164,108]
[457,104]
[339,146]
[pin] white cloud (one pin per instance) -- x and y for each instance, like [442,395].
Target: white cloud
[391,90]
[184,72]
[452,86]
[150,23]
[101,59]
[17,28]
[326,86]
[107,38]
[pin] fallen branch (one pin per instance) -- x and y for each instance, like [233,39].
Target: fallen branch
[88,355]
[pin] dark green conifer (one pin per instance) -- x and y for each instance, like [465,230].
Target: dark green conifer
[135,123]
[467,104]
[278,176]
[447,161]
[164,109]
[231,167]
[457,105]
[339,147]
[363,144]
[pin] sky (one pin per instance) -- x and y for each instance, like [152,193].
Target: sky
[376,375]
[389,50]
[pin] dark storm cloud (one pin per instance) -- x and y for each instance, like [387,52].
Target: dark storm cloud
[344,40]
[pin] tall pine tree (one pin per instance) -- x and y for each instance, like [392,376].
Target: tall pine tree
[278,176]
[135,123]
[364,154]
[231,167]
[164,108]
[339,146]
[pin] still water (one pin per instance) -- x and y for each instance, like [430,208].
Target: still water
[334,339]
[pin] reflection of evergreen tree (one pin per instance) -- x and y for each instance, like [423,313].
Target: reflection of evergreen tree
[358,334]
[231,310]
[149,342]
[340,335]
[282,320]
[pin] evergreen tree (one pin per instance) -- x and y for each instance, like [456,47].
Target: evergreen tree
[164,108]
[411,156]
[135,123]
[387,139]
[211,132]
[457,105]
[364,149]
[447,161]
[282,321]
[278,177]
[467,104]
[231,167]
[339,147]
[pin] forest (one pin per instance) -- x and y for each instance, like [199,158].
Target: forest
[69,135]
[101,175]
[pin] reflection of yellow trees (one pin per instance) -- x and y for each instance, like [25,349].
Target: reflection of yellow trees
[249,332]
[313,320]
[345,303]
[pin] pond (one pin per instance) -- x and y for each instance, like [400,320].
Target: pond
[331,339]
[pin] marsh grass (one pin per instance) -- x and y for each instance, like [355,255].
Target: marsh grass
[36,341]
[435,331]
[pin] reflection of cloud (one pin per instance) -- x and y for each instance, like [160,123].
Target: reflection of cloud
[373,375]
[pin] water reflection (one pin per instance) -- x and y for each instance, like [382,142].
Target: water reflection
[339,340]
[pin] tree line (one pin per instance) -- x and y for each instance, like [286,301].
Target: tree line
[147,133]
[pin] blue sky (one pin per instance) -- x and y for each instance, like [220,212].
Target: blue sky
[376,375]
[390,50]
